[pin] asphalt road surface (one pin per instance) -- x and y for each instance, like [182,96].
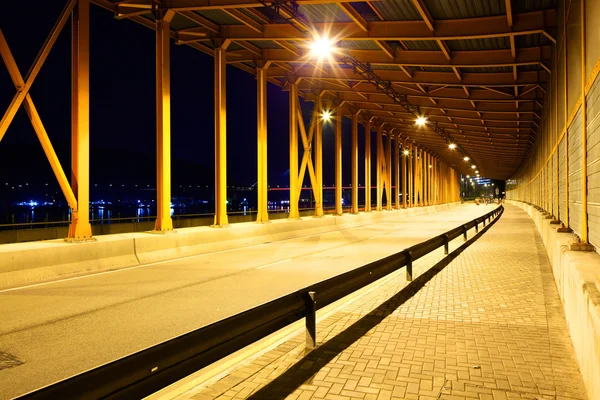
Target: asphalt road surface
[58,329]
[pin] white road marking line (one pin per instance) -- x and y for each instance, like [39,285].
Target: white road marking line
[275,263]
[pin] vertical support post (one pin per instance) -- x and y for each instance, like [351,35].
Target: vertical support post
[410,175]
[311,320]
[368,165]
[425,178]
[404,157]
[409,270]
[379,167]
[397,170]
[80,228]
[294,187]
[584,219]
[388,173]
[261,119]
[354,162]
[220,136]
[446,244]
[318,156]
[566,111]
[465,232]
[338,160]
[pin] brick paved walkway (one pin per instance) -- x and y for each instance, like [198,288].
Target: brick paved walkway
[488,326]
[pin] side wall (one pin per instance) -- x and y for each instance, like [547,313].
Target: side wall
[562,173]
[578,281]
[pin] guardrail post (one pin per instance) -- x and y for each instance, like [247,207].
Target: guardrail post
[476,226]
[446,244]
[310,306]
[409,273]
[465,232]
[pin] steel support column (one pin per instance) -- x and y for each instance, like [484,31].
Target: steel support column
[163,122]
[380,156]
[368,165]
[261,119]
[80,228]
[397,170]
[318,190]
[354,162]
[584,185]
[338,160]
[220,136]
[388,172]
[404,157]
[410,175]
[294,187]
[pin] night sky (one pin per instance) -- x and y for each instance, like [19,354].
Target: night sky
[122,107]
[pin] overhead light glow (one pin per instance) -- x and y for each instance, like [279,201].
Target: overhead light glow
[466,158]
[421,121]
[321,47]
[477,172]
[326,115]
[468,176]
[430,166]
[472,166]
[406,152]
[452,146]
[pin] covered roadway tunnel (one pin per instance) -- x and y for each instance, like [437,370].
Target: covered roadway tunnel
[440,90]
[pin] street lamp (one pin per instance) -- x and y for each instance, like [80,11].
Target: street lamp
[326,115]
[452,146]
[421,121]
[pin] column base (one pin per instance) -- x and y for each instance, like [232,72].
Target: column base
[554,222]
[579,246]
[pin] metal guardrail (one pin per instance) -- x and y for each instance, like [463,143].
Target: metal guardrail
[147,371]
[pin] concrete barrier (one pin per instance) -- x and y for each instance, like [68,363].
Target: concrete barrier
[32,262]
[577,277]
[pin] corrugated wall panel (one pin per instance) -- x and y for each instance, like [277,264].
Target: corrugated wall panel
[562,210]
[593,163]
[575,153]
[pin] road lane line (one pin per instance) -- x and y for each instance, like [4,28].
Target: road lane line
[275,263]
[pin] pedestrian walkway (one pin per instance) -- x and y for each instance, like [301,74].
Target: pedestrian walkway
[488,326]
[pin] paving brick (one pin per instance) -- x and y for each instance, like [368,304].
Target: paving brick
[489,326]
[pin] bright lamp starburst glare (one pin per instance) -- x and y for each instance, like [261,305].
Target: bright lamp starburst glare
[406,152]
[321,47]
[452,146]
[326,115]
[421,121]
[466,158]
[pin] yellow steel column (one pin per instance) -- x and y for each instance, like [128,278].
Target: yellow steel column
[294,192]
[404,156]
[388,172]
[411,190]
[80,228]
[584,185]
[368,165]
[318,155]
[163,123]
[338,160]
[397,170]
[220,136]
[354,162]
[566,111]
[261,118]
[426,179]
[379,163]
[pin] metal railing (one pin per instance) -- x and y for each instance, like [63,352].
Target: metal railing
[147,371]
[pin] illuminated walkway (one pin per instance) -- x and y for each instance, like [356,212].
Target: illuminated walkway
[488,326]
[66,327]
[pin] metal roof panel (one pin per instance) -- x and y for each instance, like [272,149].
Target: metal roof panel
[219,17]
[397,10]
[324,13]
[456,9]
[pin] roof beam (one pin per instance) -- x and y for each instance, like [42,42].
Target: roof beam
[422,9]
[244,19]
[509,15]
[198,5]
[455,29]
[499,79]
[354,15]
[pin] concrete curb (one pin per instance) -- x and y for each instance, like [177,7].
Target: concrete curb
[34,262]
[577,277]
